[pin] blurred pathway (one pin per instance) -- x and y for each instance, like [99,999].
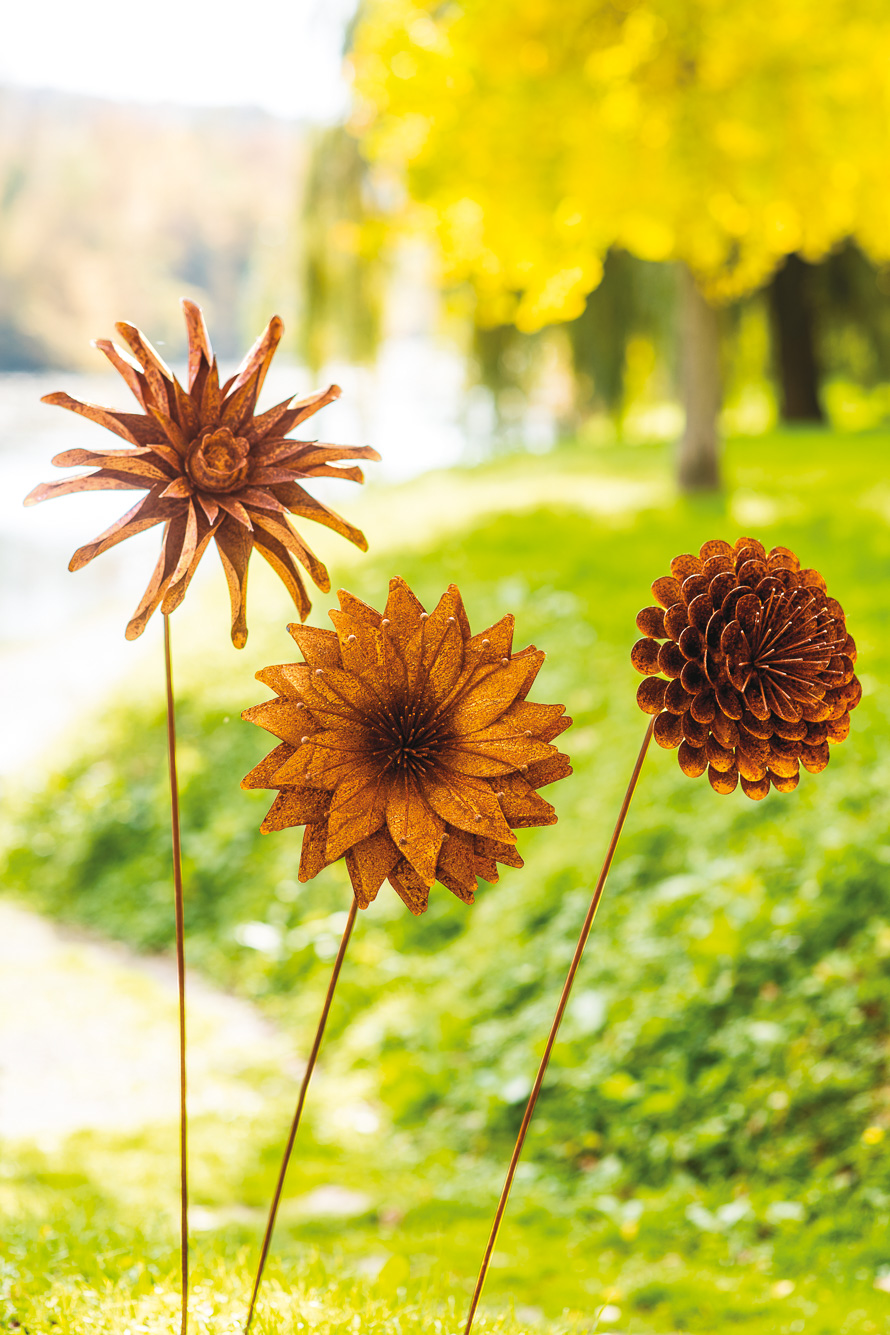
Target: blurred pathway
[88,1037]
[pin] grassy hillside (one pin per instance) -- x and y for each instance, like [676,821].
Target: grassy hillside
[711,1144]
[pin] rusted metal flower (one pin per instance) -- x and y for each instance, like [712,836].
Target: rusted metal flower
[753,675]
[211,470]
[408,746]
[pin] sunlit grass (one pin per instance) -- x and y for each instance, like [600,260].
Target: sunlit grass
[711,1147]
[88,1248]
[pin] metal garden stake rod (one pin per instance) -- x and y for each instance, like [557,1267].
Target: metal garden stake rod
[301,1099]
[557,1020]
[180,975]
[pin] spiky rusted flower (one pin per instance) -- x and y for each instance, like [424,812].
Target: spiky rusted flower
[758,662]
[408,746]
[211,469]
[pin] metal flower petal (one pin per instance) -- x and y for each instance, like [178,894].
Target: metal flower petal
[408,746]
[211,469]
[759,662]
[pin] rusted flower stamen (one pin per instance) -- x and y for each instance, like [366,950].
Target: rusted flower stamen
[218,461]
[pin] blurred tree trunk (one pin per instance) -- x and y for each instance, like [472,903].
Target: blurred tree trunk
[698,468]
[793,336]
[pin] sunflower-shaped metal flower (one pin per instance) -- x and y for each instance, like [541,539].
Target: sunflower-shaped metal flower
[408,746]
[211,469]
[748,666]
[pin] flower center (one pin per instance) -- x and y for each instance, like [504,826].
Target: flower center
[218,460]
[408,740]
[788,640]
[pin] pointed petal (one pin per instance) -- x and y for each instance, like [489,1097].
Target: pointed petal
[179,489]
[487,868]
[358,810]
[143,427]
[557,766]
[471,805]
[104,416]
[236,510]
[498,852]
[416,829]
[534,658]
[171,546]
[442,647]
[123,366]
[356,608]
[295,806]
[285,719]
[312,458]
[521,804]
[319,647]
[198,339]
[490,696]
[211,398]
[135,463]
[553,730]
[356,696]
[238,406]
[281,531]
[362,647]
[495,642]
[503,741]
[301,456]
[100,481]
[258,359]
[537,719]
[299,502]
[172,430]
[234,544]
[307,407]
[369,863]
[147,512]
[325,760]
[263,500]
[457,868]
[281,561]
[260,776]
[267,423]
[409,887]
[314,857]
[403,611]
[185,411]
[157,373]
[186,554]
[468,762]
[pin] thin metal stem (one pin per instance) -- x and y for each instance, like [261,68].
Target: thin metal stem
[180,974]
[557,1020]
[298,1112]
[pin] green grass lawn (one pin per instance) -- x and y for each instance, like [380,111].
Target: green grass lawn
[711,1148]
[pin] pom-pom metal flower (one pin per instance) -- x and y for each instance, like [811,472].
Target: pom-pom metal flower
[211,469]
[749,667]
[749,671]
[409,747]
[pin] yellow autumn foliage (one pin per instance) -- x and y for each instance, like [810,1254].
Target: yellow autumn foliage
[532,136]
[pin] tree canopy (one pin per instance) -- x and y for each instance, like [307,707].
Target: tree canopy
[533,137]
